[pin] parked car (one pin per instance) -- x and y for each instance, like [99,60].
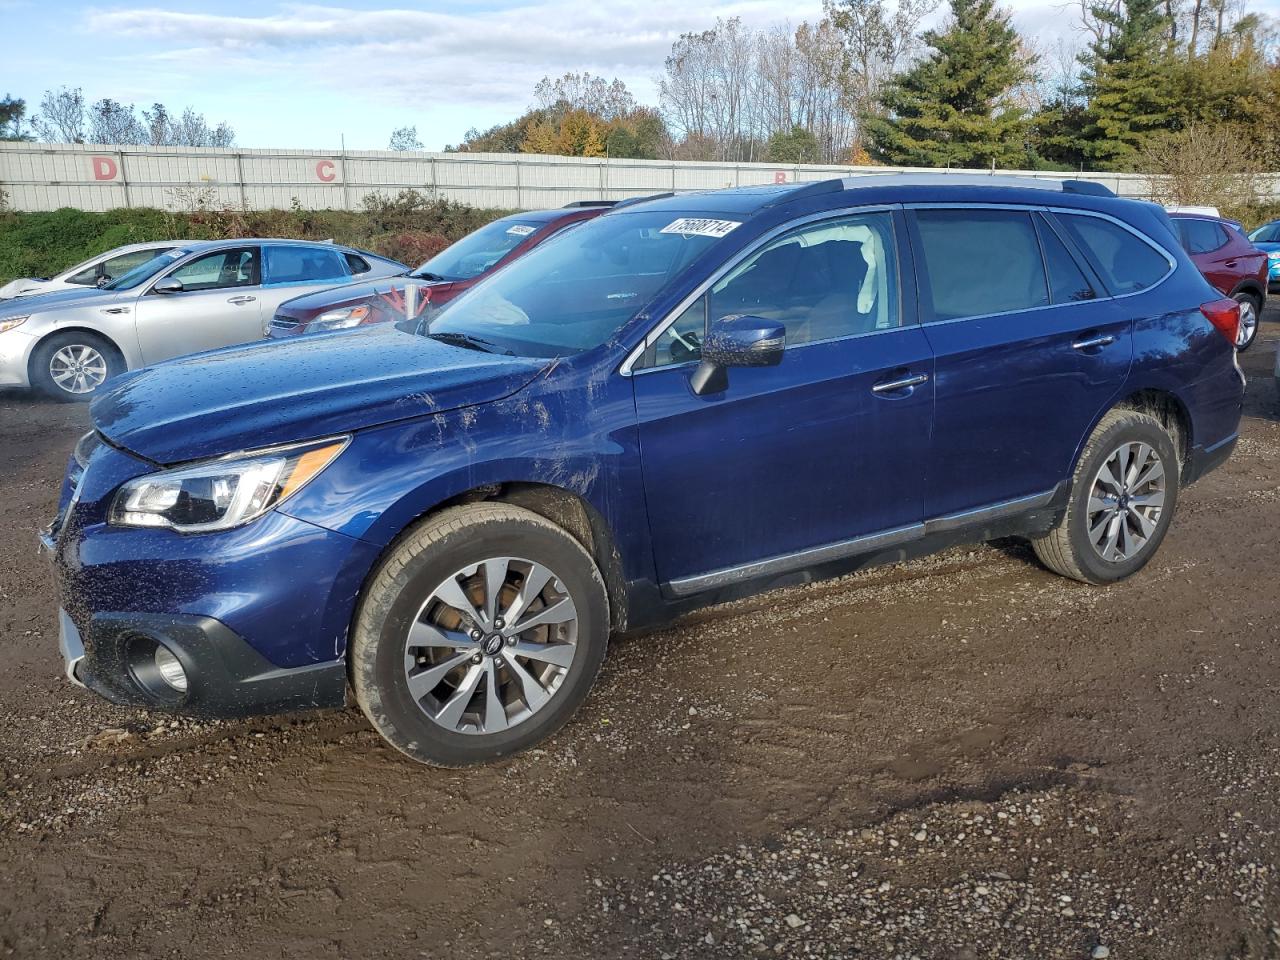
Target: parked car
[1230,262]
[1267,239]
[456,268]
[682,401]
[92,273]
[199,295]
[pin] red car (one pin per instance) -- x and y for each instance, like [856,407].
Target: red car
[456,268]
[1230,262]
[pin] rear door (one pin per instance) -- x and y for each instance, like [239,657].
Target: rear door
[217,306]
[1029,351]
[790,463]
[291,270]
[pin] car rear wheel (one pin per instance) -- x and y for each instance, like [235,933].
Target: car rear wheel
[1123,495]
[480,635]
[1250,311]
[74,365]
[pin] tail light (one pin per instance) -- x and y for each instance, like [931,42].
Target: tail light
[1225,316]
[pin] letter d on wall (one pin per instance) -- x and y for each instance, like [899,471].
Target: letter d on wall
[104,168]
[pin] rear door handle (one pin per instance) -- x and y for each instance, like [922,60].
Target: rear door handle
[1091,342]
[240,300]
[904,383]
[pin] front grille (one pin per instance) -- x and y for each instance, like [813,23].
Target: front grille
[283,323]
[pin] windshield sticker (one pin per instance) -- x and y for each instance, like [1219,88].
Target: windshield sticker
[521,230]
[700,227]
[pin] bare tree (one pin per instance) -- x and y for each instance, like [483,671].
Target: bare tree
[607,99]
[405,138]
[61,117]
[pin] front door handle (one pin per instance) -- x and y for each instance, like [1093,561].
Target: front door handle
[1091,343]
[890,386]
[239,300]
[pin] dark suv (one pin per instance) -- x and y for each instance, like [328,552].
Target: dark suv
[423,291]
[682,401]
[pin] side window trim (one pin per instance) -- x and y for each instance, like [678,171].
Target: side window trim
[1076,212]
[1044,223]
[907,317]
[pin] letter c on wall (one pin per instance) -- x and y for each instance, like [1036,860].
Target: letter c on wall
[780,176]
[104,168]
[326,172]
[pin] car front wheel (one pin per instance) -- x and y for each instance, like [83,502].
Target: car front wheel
[74,365]
[480,635]
[1123,495]
[1250,311]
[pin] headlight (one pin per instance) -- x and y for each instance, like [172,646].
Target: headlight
[8,323]
[341,319]
[223,493]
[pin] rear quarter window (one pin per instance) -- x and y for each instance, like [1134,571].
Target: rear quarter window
[357,264]
[1126,262]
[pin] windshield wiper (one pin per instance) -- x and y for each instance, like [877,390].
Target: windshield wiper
[428,275]
[464,340]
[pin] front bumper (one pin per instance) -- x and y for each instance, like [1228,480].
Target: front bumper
[225,676]
[15,352]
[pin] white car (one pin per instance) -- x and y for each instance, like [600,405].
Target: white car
[198,296]
[92,273]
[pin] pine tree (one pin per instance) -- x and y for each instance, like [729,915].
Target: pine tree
[953,108]
[1130,82]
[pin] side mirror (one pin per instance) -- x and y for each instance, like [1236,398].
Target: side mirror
[737,341]
[167,285]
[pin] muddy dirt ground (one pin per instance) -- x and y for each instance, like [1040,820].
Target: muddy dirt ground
[960,757]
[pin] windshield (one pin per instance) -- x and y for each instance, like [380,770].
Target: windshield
[1267,233]
[577,291]
[146,270]
[477,252]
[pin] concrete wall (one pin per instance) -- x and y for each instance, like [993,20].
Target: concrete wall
[48,176]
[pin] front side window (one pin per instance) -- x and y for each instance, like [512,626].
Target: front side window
[980,262]
[216,271]
[303,265]
[576,292]
[1127,263]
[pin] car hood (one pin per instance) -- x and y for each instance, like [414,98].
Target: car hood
[310,304]
[56,299]
[274,392]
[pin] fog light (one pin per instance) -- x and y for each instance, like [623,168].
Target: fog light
[170,669]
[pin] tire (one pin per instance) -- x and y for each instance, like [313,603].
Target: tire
[1068,549]
[1248,322]
[410,693]
[54,370]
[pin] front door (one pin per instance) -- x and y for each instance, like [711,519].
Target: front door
[789,463]
[218,305]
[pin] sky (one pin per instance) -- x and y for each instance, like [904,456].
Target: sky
[295,75]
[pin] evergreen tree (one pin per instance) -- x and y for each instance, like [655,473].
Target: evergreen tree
[953,108]
[1130,82]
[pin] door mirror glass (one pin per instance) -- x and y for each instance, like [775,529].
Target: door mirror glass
[168,285]
[737,341]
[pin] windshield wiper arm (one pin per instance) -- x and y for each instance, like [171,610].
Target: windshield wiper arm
[427,275]
[464,340]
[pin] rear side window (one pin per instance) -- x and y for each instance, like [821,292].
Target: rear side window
[1201,236]
[1127,263]
[357,264]
[980,262]
[1067,282]
[303,265]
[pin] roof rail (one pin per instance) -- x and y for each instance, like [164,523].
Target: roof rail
[590,203]
[977,179]
[807,190]
[629,201]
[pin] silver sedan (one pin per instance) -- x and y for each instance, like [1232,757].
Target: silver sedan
[197,296]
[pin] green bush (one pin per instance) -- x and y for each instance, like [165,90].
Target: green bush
[42,244]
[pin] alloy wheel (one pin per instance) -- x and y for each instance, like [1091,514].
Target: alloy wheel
[1126,501]
[1248,323]
[78,368]
[491,645]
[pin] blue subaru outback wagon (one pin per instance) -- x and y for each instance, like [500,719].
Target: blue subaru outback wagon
[687,399]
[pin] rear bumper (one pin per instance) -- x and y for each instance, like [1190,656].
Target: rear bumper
[1202,460]
[226,677]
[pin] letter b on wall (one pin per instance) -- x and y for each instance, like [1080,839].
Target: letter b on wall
[104,168]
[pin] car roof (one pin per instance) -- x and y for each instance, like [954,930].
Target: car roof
[196,245]
[886,187]
[576,211]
